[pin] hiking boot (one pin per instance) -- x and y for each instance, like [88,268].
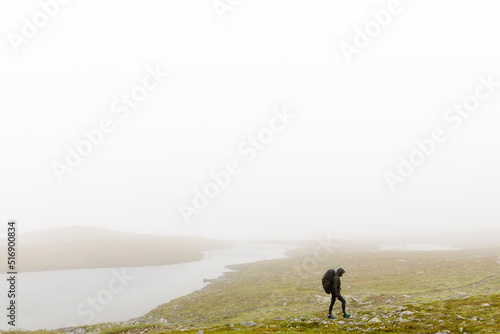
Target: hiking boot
[346,315]
[330,317]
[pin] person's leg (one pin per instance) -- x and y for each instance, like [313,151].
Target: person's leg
[343,303]
[331,305]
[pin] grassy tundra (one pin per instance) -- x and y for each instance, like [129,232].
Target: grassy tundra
[386,291]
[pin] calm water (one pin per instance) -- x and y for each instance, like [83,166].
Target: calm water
[417,247]
[59,298]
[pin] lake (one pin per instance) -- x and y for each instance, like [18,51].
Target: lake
[417,247]
[60,298]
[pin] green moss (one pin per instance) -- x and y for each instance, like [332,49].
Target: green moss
[444,289]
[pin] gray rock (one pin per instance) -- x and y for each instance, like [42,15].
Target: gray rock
[75,330]
[321,299]
[249,323]
[405,313]
[374,320]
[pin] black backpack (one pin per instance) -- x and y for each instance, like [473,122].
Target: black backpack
[327,280]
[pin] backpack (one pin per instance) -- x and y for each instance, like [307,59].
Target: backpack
[327,280]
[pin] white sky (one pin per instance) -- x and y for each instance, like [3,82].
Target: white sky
[324,174]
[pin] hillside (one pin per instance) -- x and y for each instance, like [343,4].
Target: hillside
[463,240]
[387,292]
[407,291]
[79,247]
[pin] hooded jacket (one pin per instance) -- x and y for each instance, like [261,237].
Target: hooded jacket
[337,283]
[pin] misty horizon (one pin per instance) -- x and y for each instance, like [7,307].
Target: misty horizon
[263,166]
[75,233]
[240,125]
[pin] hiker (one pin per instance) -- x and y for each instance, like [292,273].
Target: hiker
[336,294]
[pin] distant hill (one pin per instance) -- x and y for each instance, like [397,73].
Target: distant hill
[78,247]
[464,240]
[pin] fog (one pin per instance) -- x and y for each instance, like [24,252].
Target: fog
[261,120]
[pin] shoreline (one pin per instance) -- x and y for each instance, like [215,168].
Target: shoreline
[155,284]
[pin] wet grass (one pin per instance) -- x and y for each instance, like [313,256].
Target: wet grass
[268,289]
[439,290]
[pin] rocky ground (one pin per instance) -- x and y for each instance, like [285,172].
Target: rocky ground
[387,292]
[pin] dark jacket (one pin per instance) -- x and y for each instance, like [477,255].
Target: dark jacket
[337,283]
